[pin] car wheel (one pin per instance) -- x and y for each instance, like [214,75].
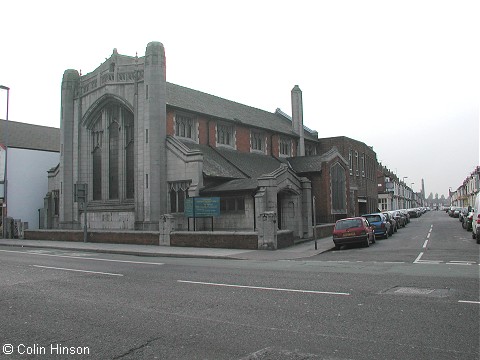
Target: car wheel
[396,228]
[473,235]
[337,247]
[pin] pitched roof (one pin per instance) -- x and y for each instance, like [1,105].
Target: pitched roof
[203,103]
[214,164]
[313,163]
[28,136]
[252,164]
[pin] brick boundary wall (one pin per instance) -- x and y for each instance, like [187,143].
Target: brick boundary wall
[324,230]
[285,239]
[216,239]
[95,236]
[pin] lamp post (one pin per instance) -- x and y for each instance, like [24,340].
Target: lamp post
[404,197]
[413,192]
[5,178]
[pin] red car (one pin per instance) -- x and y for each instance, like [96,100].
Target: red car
[354,230]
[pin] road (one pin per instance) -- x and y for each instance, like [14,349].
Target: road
[412,296]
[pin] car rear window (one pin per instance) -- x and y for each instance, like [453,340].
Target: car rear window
[346,224]
[374,218]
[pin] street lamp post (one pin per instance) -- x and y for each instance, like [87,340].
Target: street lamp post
[5,178]
[413,194]
[404,197]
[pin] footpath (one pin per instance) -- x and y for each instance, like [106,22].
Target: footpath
[299,251]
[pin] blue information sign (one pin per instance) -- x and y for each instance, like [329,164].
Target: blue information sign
[202,207]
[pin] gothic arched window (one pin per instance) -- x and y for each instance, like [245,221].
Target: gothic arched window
[338,188]
[113,164]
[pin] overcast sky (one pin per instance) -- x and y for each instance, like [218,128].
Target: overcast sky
[401,76]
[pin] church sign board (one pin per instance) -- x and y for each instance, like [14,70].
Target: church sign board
[202,207]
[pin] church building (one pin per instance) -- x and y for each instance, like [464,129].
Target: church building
[142,146]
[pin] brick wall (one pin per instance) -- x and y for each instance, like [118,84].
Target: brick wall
[243,139]
[110,237]
[207,239]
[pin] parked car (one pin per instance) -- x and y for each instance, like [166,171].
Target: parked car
[476,219]
[463,214]
[407,215]
[399,217]
[392,221]
[467,222]
[413,213]
[356,230]
[380,224]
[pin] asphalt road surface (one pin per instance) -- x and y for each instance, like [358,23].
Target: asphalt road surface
[412,296]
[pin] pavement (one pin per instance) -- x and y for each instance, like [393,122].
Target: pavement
[302,250]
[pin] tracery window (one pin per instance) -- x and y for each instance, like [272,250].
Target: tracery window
[257,141]
[185,126]
[129,156]
[225,134]
[178,192]
[285,147]
[338,188]
[113,164]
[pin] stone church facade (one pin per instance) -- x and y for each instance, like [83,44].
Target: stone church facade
[143,145]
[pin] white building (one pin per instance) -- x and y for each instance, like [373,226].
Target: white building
[31,151]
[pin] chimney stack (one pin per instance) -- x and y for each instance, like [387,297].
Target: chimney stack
[297,119]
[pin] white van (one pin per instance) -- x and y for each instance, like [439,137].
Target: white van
[476,219]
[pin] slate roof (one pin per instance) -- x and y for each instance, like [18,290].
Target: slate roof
[313,163]
[214,164]
[306,164]
[203,103]
[240,170]
[253,165]
[28,136]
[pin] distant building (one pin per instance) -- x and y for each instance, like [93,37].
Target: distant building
[31,151]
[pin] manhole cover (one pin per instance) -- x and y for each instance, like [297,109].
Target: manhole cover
[405,290]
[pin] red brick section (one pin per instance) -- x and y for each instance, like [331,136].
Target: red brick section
[213,134]
[275,145]
[212,240]
[133,237]
[202,130]
[243,138]
[170,126]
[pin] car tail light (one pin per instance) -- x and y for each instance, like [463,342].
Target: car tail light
[478,219]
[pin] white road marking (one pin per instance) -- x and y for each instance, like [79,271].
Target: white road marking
[76,270]
[264,288]
[425,244]
[428,235]
[469,302]
[84,258]
[394,262]
[459,263]
[418,258]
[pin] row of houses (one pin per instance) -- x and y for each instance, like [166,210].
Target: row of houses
[394,193]
[143,147]
[464,195]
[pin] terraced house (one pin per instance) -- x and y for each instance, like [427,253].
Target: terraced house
[143,146]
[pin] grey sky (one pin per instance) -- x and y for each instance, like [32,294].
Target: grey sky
[402,77]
